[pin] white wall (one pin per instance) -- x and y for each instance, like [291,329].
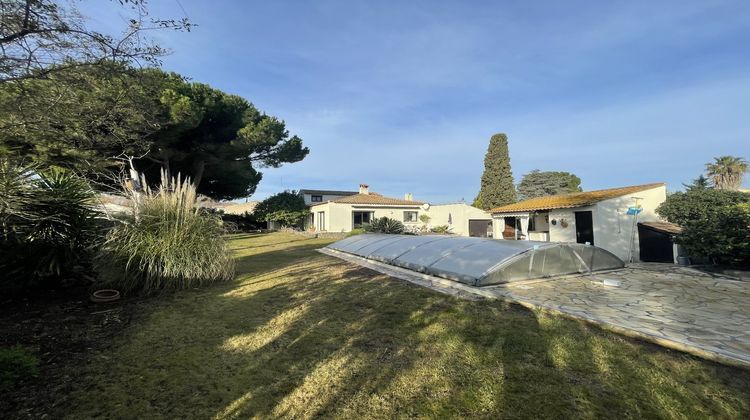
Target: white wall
[339,215]
[315,210]
[541,227]
[460,214]
[540,220]
[558,233]
[395,213]
[613,227]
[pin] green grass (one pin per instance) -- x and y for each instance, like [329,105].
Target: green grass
[16,364]
[300,334]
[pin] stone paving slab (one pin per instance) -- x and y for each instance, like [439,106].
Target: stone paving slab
[676,307]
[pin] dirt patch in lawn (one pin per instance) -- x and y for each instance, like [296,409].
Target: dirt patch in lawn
[60,328]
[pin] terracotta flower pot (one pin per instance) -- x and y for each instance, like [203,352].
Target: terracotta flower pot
[105,295]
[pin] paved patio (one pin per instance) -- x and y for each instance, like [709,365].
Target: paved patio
[676,307]
[673,306]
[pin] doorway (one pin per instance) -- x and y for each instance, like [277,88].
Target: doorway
[360,218]
[584,227]
[321,221]
[509,232]
[480,228]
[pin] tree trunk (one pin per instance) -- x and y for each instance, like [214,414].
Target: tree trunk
[198,168]
[165,162]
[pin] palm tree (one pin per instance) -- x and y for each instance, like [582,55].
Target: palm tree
[727,172]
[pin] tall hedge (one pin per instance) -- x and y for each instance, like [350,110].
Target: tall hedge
[715,223]
[497,188]
[287,208]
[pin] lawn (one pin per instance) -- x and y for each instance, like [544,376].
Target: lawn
[300,334]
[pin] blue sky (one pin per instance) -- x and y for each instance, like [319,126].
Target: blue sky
[405,95]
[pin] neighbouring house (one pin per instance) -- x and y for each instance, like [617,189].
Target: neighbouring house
[237,208]
[342,214]
[605,218]
[313,197]
[353,211]
[111,204]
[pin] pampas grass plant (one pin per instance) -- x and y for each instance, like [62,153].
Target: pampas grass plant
[165,243]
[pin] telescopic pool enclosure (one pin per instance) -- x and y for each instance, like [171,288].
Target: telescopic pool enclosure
[479,261]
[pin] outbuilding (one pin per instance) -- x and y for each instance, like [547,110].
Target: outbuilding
[657,242]
[605,218]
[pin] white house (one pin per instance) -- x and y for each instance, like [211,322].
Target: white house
[352,211]
[605,218]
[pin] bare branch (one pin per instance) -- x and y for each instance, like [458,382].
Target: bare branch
[39,37]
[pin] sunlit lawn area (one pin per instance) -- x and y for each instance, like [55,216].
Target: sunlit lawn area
[302,334]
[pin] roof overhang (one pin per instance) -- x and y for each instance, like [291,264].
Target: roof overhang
[545,209]
[355,205]
[383,205]
[513,214]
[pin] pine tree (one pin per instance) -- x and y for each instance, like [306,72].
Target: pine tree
[497,187]
[540,184]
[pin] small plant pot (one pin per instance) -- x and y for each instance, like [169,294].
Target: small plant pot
[105,295]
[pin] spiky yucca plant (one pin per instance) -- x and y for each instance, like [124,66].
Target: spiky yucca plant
[165,243]
[385,225]
[48,226]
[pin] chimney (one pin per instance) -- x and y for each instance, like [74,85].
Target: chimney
[408,197]
[364,189]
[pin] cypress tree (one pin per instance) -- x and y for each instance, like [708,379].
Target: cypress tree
[497,187]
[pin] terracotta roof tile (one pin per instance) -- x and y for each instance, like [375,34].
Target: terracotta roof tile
[375,198]
[580,199]
[665,227]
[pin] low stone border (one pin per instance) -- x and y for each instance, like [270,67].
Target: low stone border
[494,292]
[308,234]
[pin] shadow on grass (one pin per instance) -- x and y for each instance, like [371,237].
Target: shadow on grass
[302,334]
[246,235]
[271,245]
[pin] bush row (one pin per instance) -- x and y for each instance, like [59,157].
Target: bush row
[52,235]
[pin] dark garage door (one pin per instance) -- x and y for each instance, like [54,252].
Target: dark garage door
[655,246]
[480,228]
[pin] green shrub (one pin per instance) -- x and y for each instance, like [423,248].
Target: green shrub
[49,225]
[355,232]
[385,225]
[287,208]
[288,218]
[16,364]
[235,223]
[442,229]
[165,243]
[715,223]
[245,222]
